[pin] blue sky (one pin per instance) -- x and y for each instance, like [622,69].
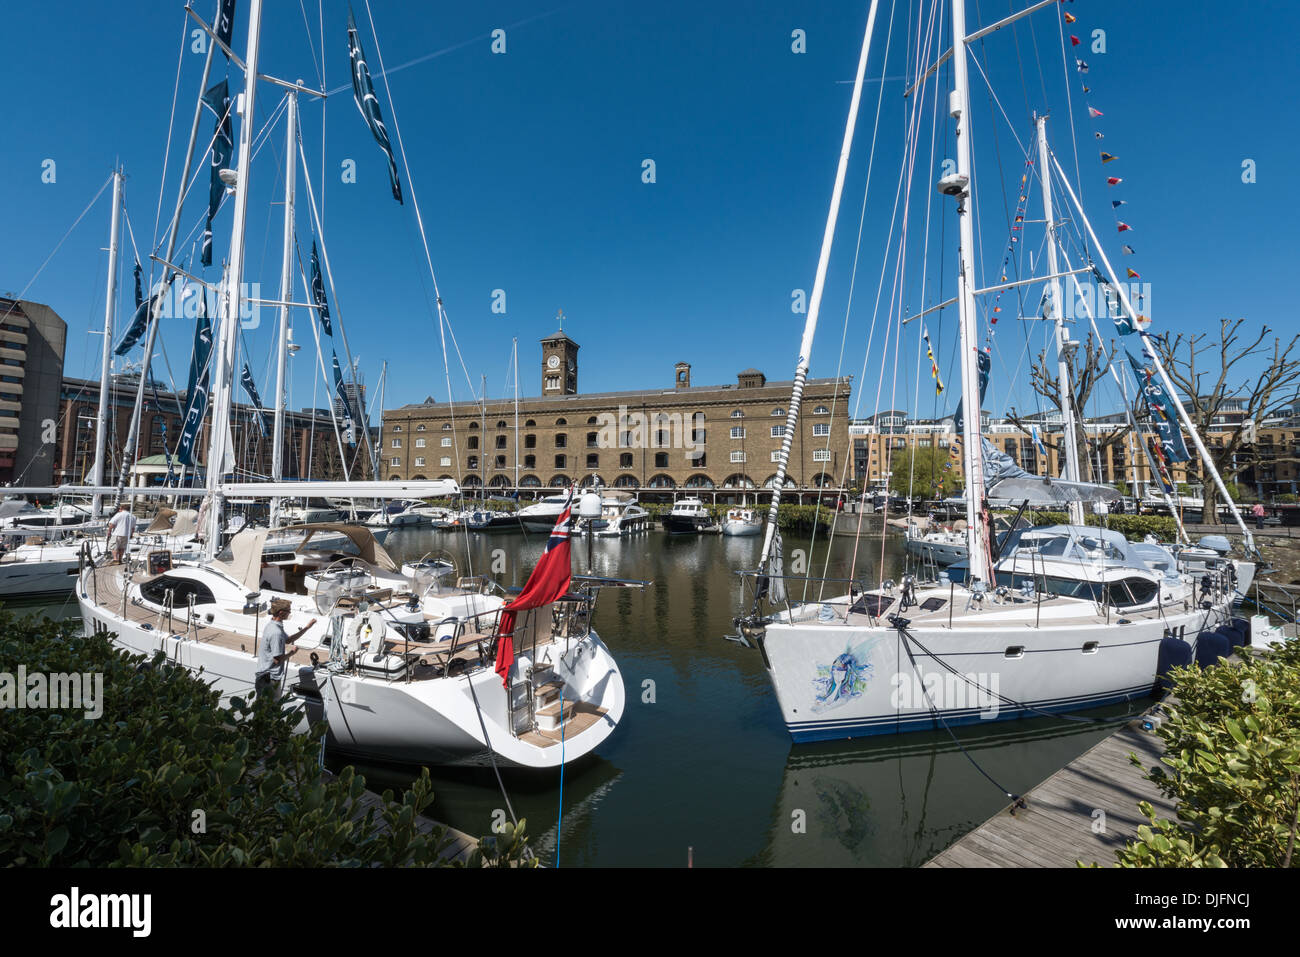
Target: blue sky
[528,169]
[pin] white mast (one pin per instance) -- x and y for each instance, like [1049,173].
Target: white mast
[128,454]
[1160,370]
[286,296]
[105,371]
[1062,334]
[515,349]
[815,302]
[219,445]
[959,106]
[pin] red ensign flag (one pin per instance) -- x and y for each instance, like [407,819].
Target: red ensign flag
[549,581]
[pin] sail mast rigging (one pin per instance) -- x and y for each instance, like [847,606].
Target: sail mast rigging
[814,302]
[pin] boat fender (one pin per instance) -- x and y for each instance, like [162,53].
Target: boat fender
[1242,627]
[1174,653]
[1210,647]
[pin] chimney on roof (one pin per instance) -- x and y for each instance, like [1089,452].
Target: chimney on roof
[682,375]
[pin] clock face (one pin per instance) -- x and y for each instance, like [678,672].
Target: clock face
[553,362]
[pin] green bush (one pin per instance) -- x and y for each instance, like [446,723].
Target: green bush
[1232,762]
[168,776]
[1130,526]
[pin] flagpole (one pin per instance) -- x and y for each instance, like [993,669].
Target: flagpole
[286,296]
[1160,369]
[105,372]
[1062,336]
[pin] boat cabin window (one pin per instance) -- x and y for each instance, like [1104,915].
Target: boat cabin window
[181,589]
[1131,591]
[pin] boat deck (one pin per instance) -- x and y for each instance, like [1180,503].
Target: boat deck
[470,647]
[584,716]
[953,612]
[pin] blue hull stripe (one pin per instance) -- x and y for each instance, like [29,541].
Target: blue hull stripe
[830,730]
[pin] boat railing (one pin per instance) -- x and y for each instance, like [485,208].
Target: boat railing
[758,585]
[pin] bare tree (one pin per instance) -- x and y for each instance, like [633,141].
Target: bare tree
[1087,367]
[1269,394]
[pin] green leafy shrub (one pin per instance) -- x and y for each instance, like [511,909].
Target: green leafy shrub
[1232,762]
[169,776]
[1130,526]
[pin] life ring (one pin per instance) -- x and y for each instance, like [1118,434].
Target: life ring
[367,628]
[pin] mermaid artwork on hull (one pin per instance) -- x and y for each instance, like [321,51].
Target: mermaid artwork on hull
[843,679]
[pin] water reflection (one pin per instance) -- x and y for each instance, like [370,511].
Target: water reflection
[701,760]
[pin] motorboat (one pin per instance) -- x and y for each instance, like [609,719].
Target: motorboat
[542,514]
[688,516]
[620,515]
[742,522]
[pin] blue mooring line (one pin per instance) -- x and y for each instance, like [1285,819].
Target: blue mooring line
[559,821]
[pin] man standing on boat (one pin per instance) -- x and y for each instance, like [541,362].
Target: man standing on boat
[276,647]
[120,528]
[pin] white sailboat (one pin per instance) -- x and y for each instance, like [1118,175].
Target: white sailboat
[1066,618]
[400,666]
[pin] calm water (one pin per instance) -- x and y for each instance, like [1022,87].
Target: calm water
[708,764]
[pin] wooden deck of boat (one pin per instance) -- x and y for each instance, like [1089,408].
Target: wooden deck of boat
[584,716]
[1061,823]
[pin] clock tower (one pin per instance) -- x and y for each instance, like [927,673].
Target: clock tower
[559,365]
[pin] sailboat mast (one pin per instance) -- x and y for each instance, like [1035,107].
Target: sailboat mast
[219,444]
[286,296]
[1062,335]
[959,106]
[105,371]
[515,350]
[815,302]
[1160,370]
[482,431]
[128,453]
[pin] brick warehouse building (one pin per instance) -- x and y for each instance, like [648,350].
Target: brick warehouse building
[310,445]
[713,440]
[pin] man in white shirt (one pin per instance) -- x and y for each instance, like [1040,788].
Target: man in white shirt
[120,529]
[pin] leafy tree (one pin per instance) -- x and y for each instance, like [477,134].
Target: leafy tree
[917,470]
[1232,761]
[169,776]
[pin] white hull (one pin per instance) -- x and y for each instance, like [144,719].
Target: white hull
[20,579]
[740,529]
[428,720]
[938,552]
[822,699]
